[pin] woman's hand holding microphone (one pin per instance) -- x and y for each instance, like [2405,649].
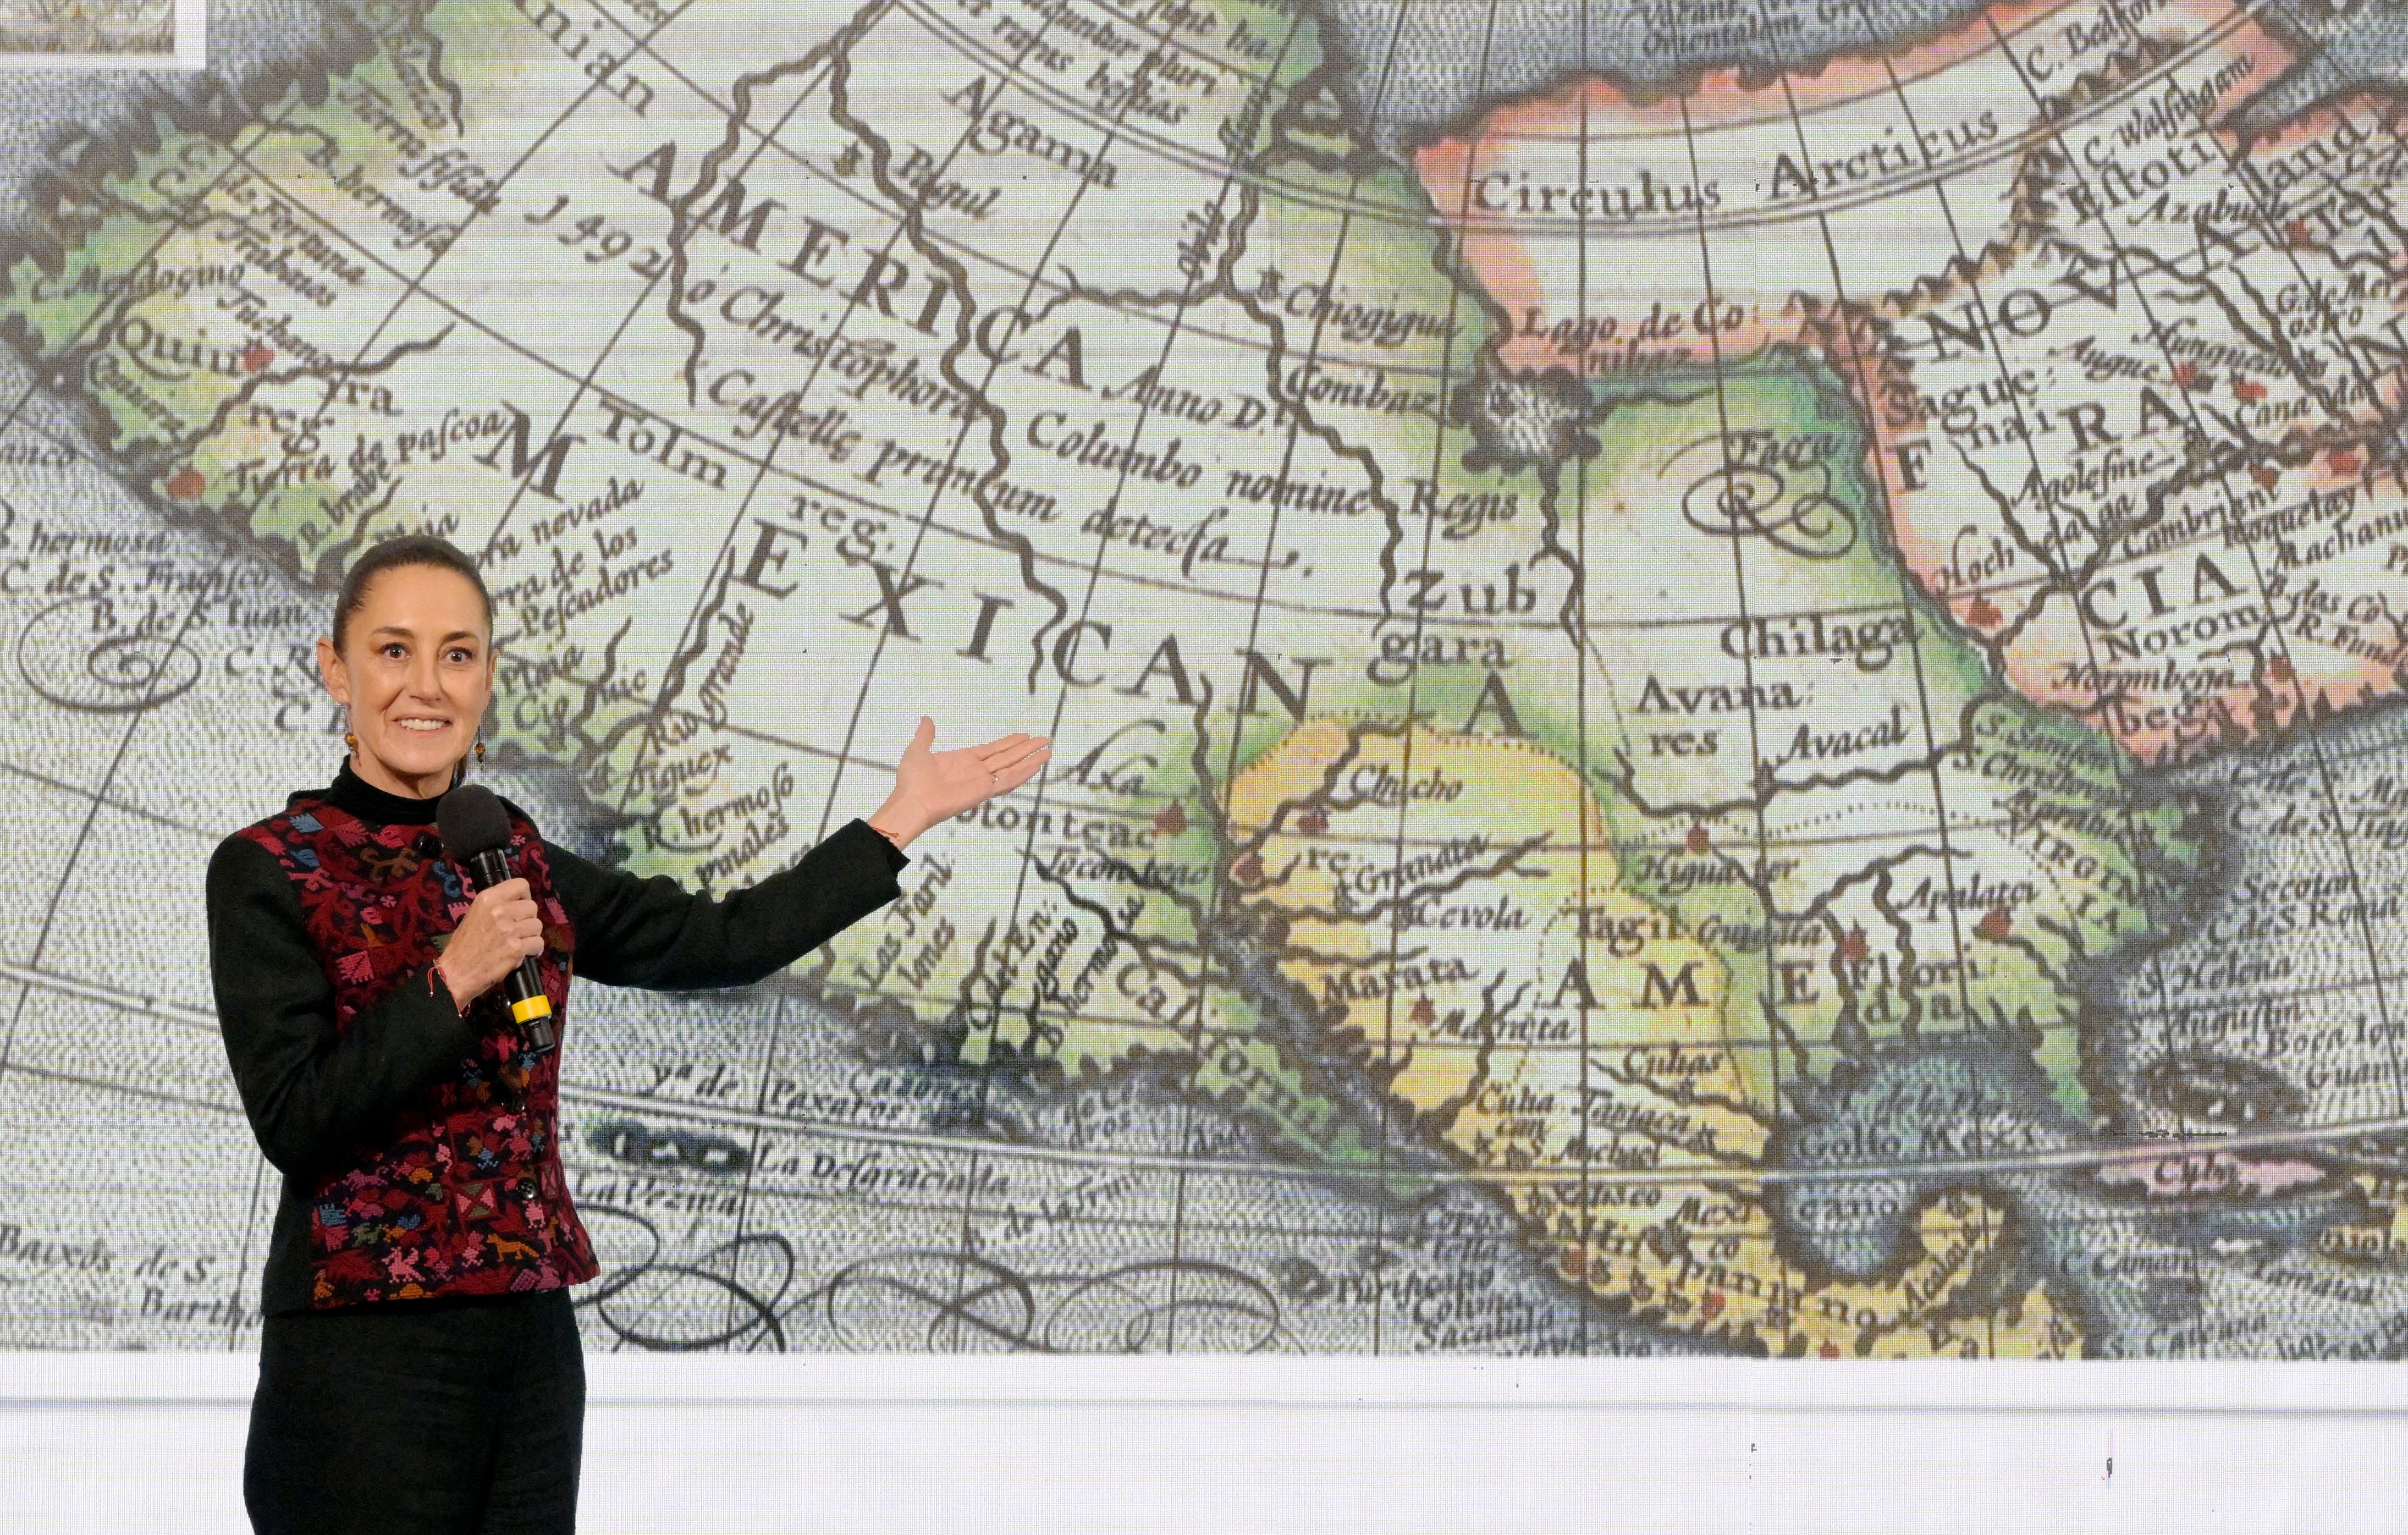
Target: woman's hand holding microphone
[501,928]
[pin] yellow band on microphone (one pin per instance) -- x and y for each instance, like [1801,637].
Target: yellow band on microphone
[534,1007]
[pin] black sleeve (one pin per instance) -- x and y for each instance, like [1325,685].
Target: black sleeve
[311,1093]
[651,933]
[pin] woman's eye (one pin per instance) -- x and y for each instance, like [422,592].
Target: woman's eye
[394,652]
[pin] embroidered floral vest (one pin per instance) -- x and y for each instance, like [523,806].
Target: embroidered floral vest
[464,1194]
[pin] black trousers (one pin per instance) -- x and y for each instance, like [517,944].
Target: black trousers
[453,1416]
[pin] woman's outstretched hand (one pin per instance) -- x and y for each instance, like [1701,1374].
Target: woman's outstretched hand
[931,786]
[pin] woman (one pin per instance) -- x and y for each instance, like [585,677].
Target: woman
[418,1362]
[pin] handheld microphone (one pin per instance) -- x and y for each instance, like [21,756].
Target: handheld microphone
[477,833]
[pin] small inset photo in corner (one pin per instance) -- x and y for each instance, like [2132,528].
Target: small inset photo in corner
[103,34]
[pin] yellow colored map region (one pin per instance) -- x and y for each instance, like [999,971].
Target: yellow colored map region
[1569,1040]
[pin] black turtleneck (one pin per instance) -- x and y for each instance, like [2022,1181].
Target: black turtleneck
[312,1093]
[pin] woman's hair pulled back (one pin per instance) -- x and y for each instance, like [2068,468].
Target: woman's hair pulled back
[397,555]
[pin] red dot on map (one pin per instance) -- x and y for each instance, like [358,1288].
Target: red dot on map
[2249,390]
[1312,822]
[1424,1011]
[1249,868]
[2343,460]
[1982,614]
[256,356]
[1995,924]
[1700,840]
[1853,946]
[2279,668]
[1712,1306]
[2186,375]
[1171,820]
[2266,475]
[1830,1350]
[186,484]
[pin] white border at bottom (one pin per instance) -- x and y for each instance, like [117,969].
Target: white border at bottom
[776,1444]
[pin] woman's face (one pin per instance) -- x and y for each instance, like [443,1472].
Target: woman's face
[416,669]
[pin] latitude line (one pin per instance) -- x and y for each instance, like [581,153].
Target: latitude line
[187,1016]
[469,320]
[1536,228]
[537,358]
[122,807]
[2003,149]
[2068,1158]
[2072,1157]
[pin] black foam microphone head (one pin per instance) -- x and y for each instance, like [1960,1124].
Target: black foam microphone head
[472,821]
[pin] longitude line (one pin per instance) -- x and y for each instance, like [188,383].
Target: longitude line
[1760,775]
[1220,872]
[986,1070]
[1184,1139]
[1914,629]
[1582,793]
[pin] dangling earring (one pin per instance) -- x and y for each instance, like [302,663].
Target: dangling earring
[481,750]
[349,740]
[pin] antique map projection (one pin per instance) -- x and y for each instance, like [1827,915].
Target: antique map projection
[1725,677]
